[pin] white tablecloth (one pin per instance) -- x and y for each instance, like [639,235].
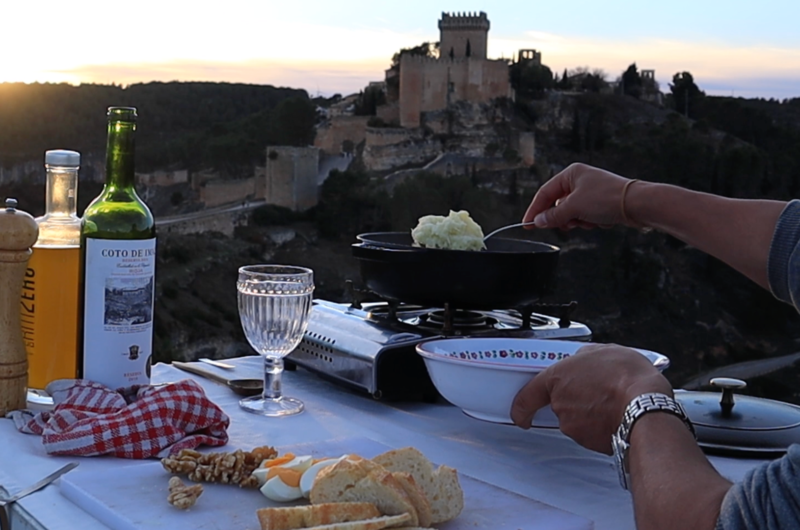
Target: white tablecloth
[540,464]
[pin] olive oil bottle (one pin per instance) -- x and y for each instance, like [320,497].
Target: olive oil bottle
[49,308]
[119,247]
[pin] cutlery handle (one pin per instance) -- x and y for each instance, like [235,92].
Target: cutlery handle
[199,370]
[504,228]
[218,364]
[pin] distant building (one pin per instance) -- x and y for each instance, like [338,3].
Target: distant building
[650,90]
[291,177]
[529,57]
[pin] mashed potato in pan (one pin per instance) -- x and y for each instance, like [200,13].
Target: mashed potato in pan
[457,231]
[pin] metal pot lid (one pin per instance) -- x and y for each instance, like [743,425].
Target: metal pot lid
[740,424]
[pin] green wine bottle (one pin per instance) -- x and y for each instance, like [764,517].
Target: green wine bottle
[119,247]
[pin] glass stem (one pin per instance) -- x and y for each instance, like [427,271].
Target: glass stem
[273,368]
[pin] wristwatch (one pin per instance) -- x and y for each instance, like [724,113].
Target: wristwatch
[638,407]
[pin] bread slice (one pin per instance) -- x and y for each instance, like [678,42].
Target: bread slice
[416,496]
[377,523]
[290,518]
[348,481]
[450,500]
[441,486]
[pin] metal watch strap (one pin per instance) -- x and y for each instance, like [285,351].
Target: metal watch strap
[652,402]
[638,407]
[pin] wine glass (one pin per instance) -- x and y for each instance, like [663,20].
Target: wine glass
[274,305]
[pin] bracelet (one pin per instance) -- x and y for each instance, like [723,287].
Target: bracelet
[625,217]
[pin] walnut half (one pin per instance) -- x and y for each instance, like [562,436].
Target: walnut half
[183,496]
[224,468]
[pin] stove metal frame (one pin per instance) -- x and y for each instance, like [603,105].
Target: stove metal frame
[370,352]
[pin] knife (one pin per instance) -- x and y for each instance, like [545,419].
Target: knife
[39,485]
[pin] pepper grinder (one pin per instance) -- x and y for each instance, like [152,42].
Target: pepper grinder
[18,233]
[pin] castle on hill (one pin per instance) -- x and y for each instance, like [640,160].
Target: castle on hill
[461,73]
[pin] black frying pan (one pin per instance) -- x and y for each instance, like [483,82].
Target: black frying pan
[510,273]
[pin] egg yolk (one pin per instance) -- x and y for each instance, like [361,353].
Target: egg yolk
[285,459]
[290,477]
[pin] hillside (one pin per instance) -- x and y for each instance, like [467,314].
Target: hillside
[189,125]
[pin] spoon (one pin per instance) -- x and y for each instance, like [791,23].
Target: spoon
[243,387]
[503,228]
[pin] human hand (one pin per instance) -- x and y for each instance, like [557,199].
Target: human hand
[589,392]
[580,196]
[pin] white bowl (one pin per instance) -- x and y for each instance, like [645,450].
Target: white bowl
[482,375]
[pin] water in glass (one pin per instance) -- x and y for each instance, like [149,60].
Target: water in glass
[274,305]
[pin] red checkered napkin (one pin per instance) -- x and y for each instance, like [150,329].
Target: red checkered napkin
[136,422]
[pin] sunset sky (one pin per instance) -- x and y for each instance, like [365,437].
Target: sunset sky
[744,48]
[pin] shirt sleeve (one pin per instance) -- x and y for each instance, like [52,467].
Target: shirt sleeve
[783,264]
[767,499]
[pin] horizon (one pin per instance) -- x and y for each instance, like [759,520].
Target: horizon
[730,49]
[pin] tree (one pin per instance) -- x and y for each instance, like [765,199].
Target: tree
[686,96]
[426,49]
[369,100]
[293,122]
[564,83]
[632,82]
[530,79]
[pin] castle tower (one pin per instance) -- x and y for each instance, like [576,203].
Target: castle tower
[463,35]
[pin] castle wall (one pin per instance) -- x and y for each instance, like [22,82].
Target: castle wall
[163,178]
[224,222]
[389,113]
[387,148]
[333,133]
[260,188]
[380,136]
[218,192]
[429,84]
[291,177]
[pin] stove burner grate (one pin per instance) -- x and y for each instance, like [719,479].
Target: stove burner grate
[460,319]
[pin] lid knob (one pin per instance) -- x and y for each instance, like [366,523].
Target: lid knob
[728,385]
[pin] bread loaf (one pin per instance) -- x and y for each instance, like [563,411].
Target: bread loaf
[441,486]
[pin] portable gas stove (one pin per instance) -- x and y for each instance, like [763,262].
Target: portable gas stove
[371,346]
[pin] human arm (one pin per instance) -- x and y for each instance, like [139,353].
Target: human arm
[736,231]
[673,485]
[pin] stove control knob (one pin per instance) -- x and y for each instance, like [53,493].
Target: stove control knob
[728,385]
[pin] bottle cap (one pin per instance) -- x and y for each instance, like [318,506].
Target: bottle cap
[61,157]
[18,229]
[122,114]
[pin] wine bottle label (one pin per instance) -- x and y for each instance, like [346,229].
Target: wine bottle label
[119,286]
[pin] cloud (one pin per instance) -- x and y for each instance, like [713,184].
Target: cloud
[323,77]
